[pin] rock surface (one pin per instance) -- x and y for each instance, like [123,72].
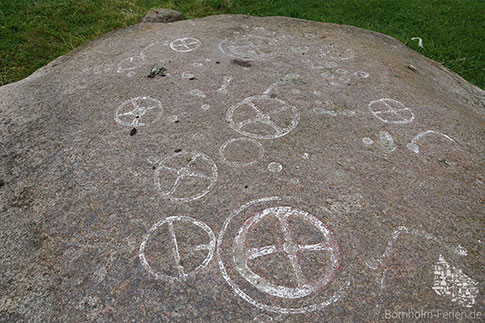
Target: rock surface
[280,170]
[162,15]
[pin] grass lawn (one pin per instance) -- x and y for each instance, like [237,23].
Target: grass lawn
[34,32]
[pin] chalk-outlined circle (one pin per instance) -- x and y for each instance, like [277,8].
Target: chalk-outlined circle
[263,117]
[131,112]
[272,308]
[250,141]
[337,52]
[186,44]
[291,248]
[210,247]
[391,111]
[187,160]
[275,167]
[361,74]
[249,47]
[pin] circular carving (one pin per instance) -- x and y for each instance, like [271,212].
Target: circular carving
[185,177]
[138,112]
[250,47]
[269,118]
[183,222]
[251,149]
[392,111]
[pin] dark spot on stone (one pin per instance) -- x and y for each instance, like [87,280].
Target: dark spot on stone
[132,132]
[2,182]
[178,150]
[153,167]
[241,62]
[192,78]
[218,62]
[273,95]
[137,117]
[176,121]
[245,186]
[157,70]
[446,162]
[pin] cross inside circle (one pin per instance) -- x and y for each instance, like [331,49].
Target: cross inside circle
[391,111]
[272,117]
[290,249]
[185,44]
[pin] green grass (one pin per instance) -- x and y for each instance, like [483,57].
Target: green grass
[32,33]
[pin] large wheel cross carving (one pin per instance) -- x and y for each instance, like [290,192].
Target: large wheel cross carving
[290,249]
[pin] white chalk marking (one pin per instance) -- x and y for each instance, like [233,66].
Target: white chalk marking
[330,64]
[395,235]
[320,110]
[337,52]
[133,111]
[341,71]
[173,118]
[263,318]
[205,107]
[299,49]
[317,92]
[199,136]
[344,79]
[131,63]
[420,41]
[285,80]
[185,44]
[414,147]
[363,75]
[289,249]
[275,167]
[392,111]
[328,75]
[225,84]
[348,113]
[184,221]
[249,47]
[459,250]
[185,169]
[188,75]
[451,282]
[306,156]
[197,92]
[198,64]
[386,141]
[264,107]
[153,160]
[246,141]
[367,141]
